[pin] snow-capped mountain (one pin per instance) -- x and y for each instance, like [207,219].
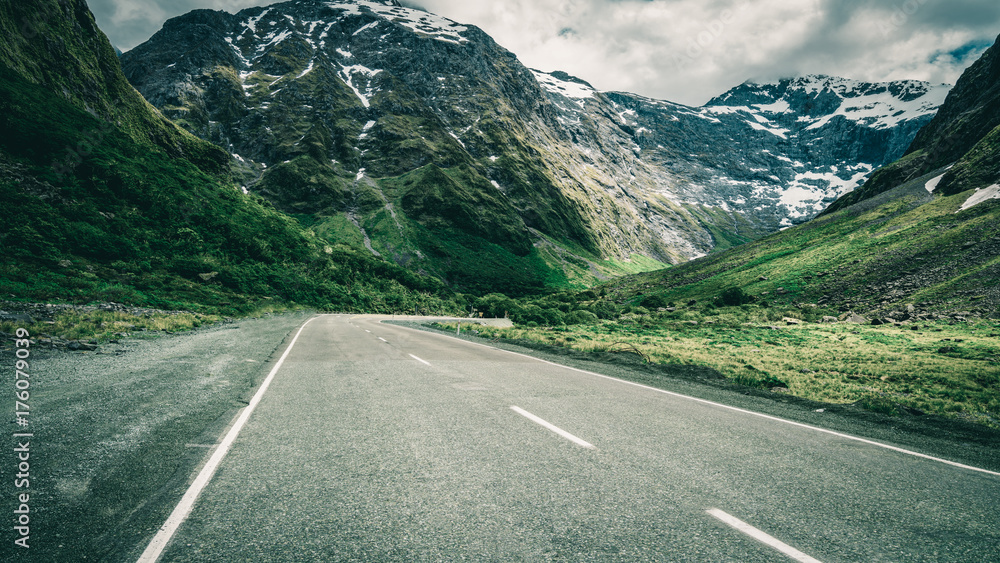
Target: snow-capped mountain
[778,152]
[409,133]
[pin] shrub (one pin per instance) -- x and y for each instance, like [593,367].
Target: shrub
[532,313]
[496,305]
[604,309]
[581,317]
[653,302]
[733,297]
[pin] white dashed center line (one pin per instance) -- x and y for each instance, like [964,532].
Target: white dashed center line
[761,536]
[419,360]
[552,427]
[186,504]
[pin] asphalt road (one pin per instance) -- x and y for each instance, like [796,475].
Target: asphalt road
[118,432]
[375,442]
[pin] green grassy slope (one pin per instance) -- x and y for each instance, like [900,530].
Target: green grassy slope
[102,198]
[58,45]
[905,247]
[129,223]
[889,305]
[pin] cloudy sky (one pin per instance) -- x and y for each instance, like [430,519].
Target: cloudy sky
[685,50]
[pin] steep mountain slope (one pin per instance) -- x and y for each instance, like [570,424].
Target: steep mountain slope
[963,137]
[905,254]
[913,250]
[346,113]
[61,48]
[102,198]
[386,126]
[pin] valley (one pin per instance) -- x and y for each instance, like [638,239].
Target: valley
[337,111]
[235,258]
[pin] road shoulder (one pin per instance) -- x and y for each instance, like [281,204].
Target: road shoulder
[121,434]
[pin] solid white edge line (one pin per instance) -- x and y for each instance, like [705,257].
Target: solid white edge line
[552,427]
[761,536]
[186,504]
[419,360]
[737,409]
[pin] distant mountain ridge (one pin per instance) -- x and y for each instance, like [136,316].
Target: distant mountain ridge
[780,152]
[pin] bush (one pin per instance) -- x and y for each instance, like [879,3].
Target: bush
[604,309]
[496,305]
[734,297]
[581,317]
[654,302]
[532,313]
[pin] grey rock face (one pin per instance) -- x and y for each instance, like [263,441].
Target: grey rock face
[780,152]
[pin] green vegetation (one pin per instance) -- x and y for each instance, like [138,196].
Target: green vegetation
[941,368]
[105,325]
[130,223]
[906,247]
[765,314]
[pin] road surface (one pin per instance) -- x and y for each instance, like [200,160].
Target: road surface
[374,442]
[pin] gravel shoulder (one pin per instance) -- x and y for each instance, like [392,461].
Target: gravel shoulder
[118,433]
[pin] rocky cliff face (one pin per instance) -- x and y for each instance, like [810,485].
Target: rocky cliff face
[779,153]
[424,141]
[962,142]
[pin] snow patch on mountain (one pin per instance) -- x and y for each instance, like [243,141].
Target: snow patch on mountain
[884,110]
[350,74]
[981,196]
[932,184]
[312,65]
[421,22]
[252,22]
[569,89]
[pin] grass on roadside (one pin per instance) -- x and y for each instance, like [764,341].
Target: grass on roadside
[102,326]
[944,369]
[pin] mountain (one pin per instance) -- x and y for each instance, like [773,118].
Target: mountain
[62,49]
[921,239]
[962,140]
[102,198]
[421,140]
[402,132]
[780,152]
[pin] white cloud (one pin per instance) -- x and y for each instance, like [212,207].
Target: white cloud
[691,50]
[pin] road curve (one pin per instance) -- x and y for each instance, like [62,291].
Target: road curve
[376,442]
